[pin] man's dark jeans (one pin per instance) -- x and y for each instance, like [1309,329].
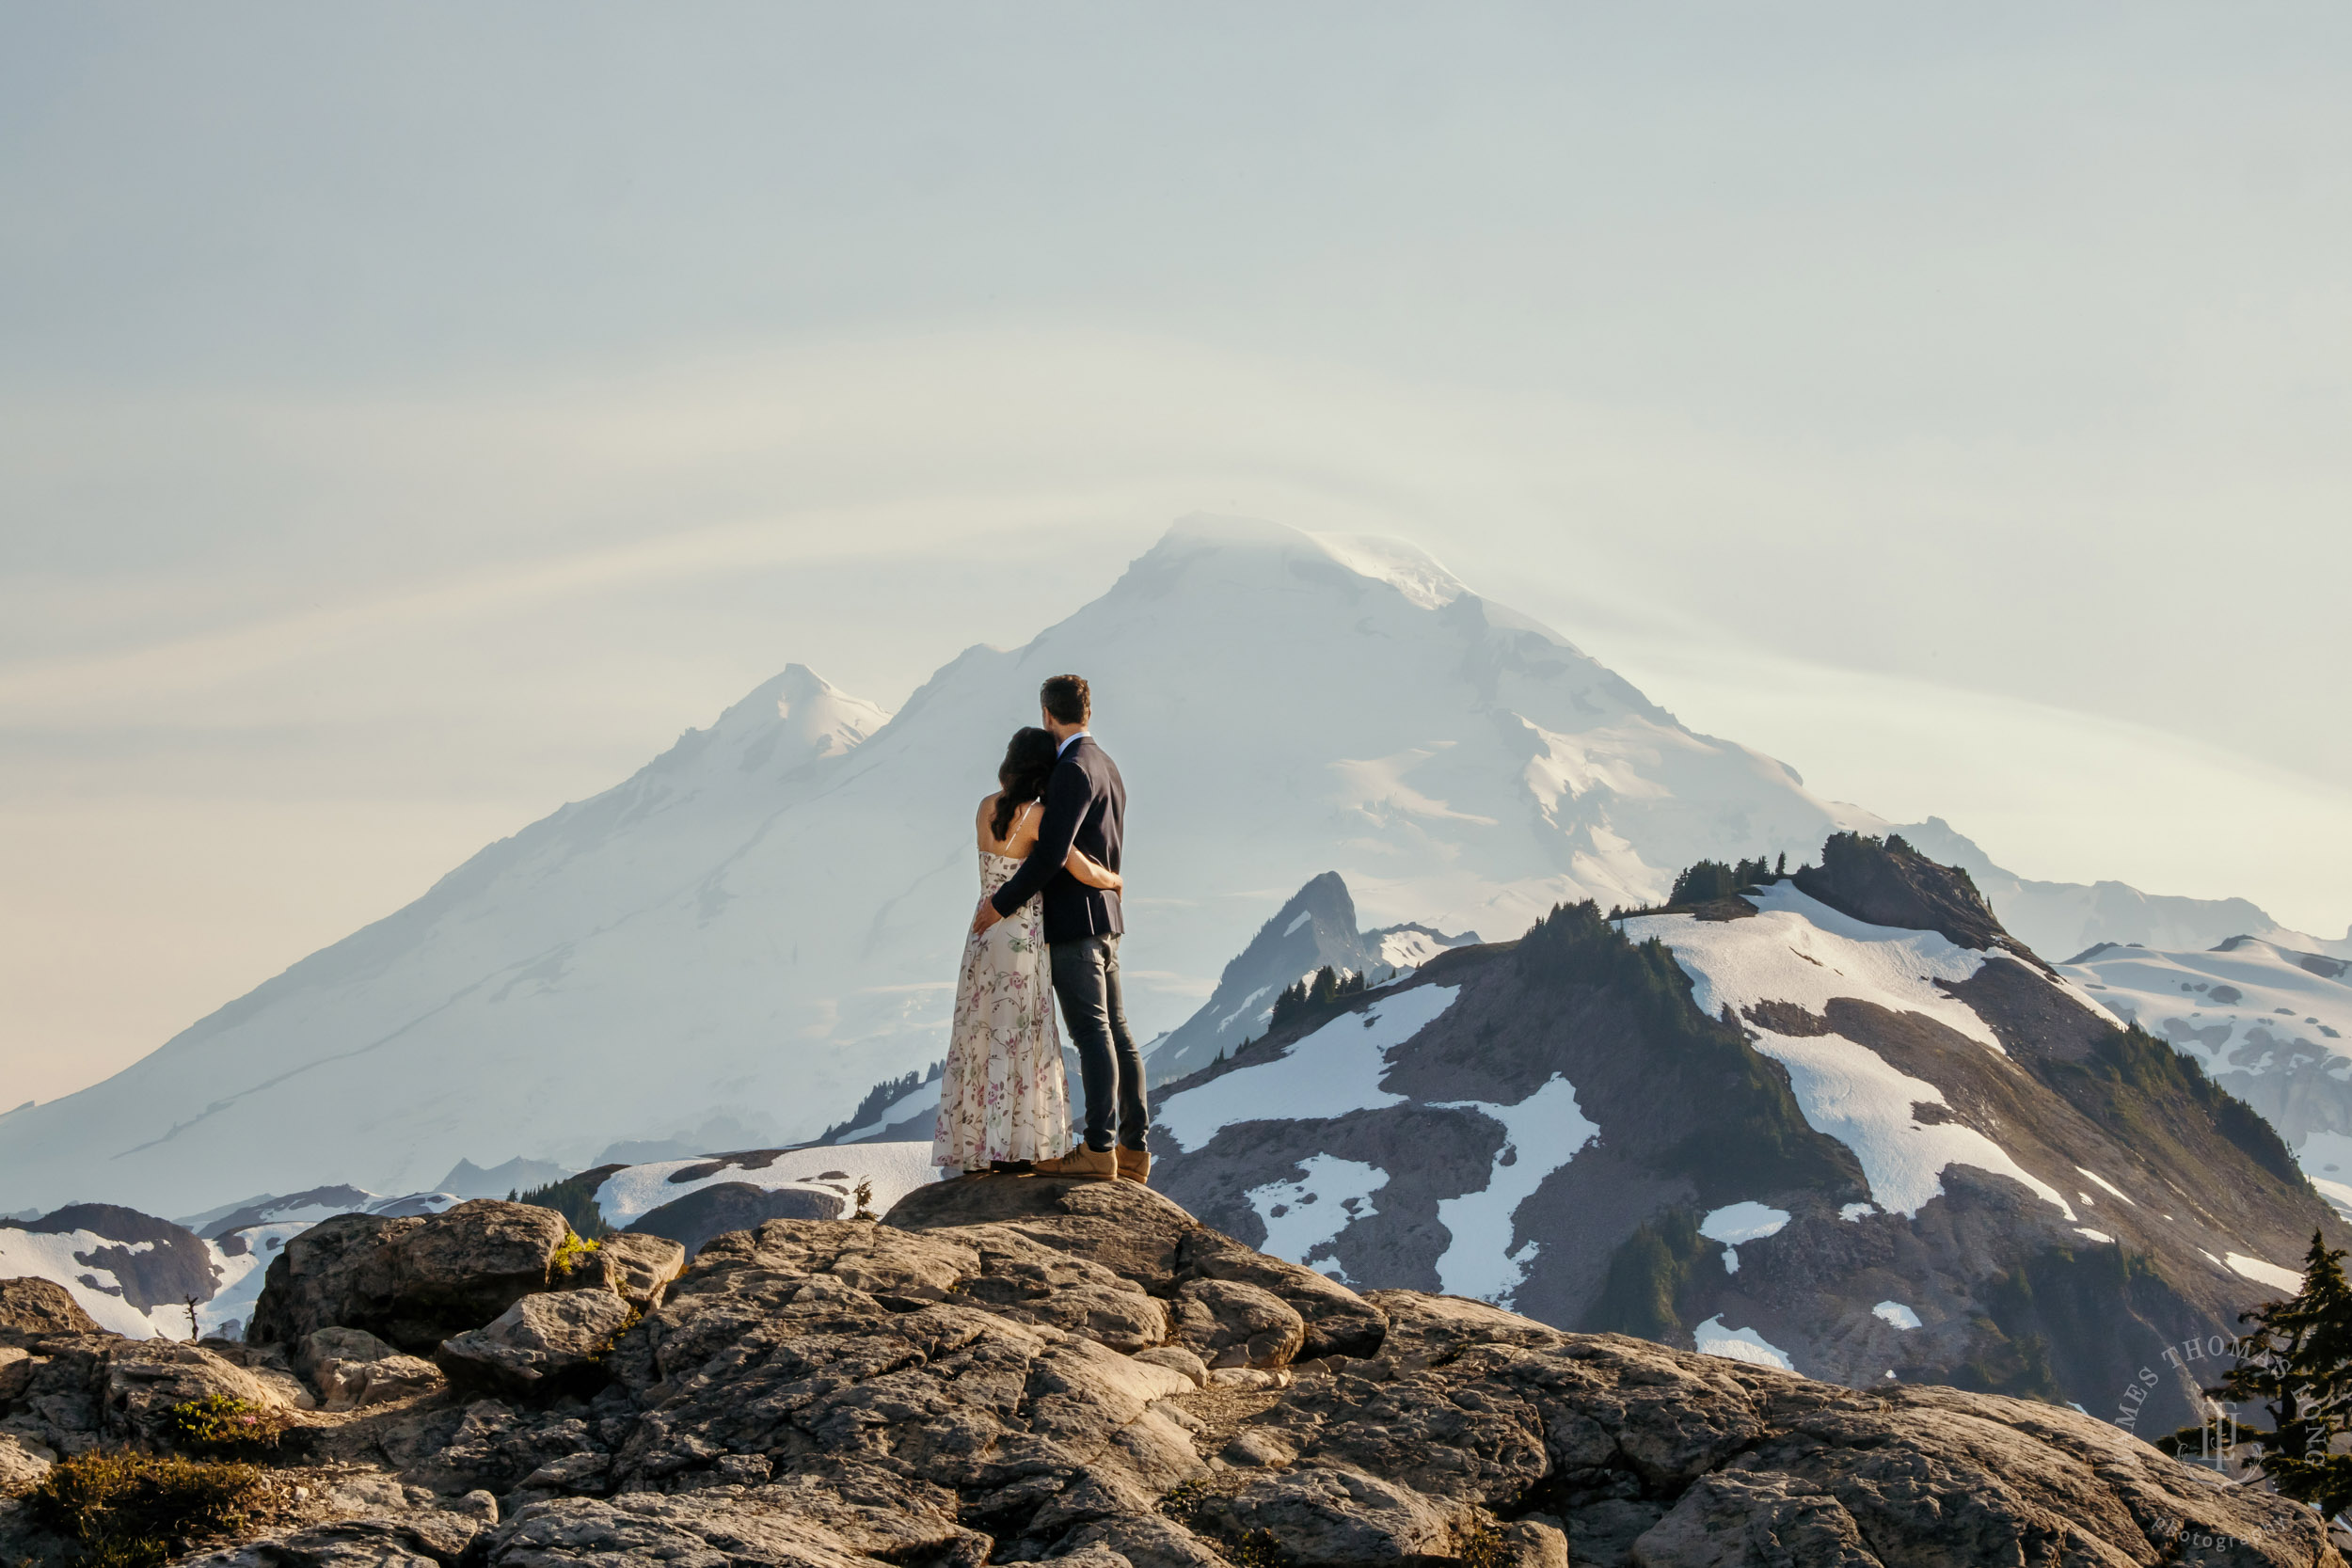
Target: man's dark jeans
[1086,977]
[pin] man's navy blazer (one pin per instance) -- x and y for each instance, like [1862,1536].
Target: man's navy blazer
[1086,808]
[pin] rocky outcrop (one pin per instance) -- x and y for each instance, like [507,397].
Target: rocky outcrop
[636,1267]
[412,1282]
[967,1387]
[36,1308]
[555,1338]
[350,1367]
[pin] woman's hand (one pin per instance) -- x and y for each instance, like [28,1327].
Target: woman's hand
[1091,871]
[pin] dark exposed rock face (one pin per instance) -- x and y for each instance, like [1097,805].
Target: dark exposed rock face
[692,1220]
[1887,883]
[1577,1071]
[831,1394]
[412,1282]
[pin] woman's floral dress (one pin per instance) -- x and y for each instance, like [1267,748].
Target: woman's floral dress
[1004,1095]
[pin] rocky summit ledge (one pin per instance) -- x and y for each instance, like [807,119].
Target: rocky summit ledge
[1020,1370]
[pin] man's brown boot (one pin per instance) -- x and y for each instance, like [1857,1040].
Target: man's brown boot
[1134,1165]
[1101,1163]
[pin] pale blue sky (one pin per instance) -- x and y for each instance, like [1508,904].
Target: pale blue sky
[411,417]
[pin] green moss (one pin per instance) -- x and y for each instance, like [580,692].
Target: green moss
[134,1511]
[570,1253]
[222,1422]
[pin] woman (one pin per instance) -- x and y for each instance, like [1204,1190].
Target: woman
[1003,1101]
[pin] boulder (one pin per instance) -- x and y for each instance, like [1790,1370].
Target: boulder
[270,1363]
[1176,1358]
[413,1281]
[1228,1323]
[1337,1320]
[1124,1226]
[549,1340]
[637,1268]
[145,1378]
[870,1519]
[32,1310]
[23,1462]
[1022,1279]
[1330,1513]
[351,1368]
[419,1538]
[334,1274]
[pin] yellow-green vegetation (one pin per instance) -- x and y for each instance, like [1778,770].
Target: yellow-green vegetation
[1256,1548]
[222,1421]
[1483,1547]
[571,1252]
[137,1511]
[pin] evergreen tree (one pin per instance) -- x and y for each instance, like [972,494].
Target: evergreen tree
[2297,1364]
[1781,869]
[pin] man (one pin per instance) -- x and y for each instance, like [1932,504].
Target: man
[1086,806]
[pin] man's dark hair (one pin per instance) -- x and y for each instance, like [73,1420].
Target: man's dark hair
[1067,699]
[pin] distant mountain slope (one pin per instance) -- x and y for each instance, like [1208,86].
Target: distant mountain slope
[1768,1127]
[2270,1024]
[1315,928]
[766,920]
[135,1272]
[730,947]
[2059,919]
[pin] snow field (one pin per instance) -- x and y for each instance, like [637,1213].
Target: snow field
[2247,1010]
[1801,951]
[1739,1344]
[1332,1071]
[50,1256]
[1333,1195]
[2289,1280]
[1540,1135]
[1897,1313]
[895,1169]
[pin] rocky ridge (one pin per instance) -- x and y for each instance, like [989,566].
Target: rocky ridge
[1844,1123]
[1008,1371]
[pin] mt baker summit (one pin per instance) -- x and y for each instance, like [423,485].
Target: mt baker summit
[734,943]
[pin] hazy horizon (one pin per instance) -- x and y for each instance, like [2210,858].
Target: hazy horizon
[413,419]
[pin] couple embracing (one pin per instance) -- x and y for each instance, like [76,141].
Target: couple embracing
[1048,922]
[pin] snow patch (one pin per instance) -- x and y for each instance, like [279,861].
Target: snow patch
[1300,1216]
[1856,1212]
[2265,1274]
[50,1256]
[1739,1344]
[1801,951]
[1742,1222]
[1332,1071]
[2104,1183]
[2094,1235]
[1304,916]
[895,1169]
[1897,1313]
[1479,1262]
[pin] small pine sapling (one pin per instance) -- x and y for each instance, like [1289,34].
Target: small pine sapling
[863,1193]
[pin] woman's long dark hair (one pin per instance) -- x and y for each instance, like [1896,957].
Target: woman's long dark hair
[1028,762]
